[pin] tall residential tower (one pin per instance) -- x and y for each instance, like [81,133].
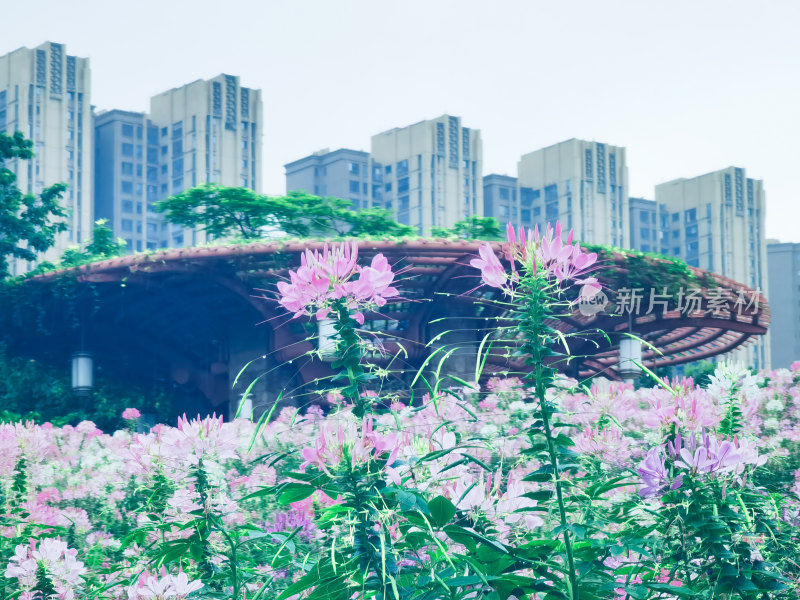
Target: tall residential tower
[45,94]
[784,302]
[209,131]
[716,222]
[582,184]
[205,131]
[432,172]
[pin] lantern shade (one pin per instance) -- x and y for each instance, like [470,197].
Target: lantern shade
[245,408]
[327,339]
[630,358]
[82,373]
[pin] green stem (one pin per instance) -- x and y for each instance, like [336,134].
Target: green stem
[562,511]
[533,325]
[350,354]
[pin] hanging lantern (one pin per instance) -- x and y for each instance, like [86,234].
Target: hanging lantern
[246,408]
[327,339]
[82,373]
[630,357]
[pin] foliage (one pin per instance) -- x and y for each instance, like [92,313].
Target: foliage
[34,391]
[472,228]
[646,270]
[240,212]
[28,224]
[102,247]
[700,371]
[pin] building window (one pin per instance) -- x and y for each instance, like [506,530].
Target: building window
[355,187]
[127,187]
[352,168]
[402,168]
[675,217]
[587,169]
[644,216]
[127,225]
[690,216]
[600,151]
[402,185]
[388,169]
[164,150]
[127,149]
[127,130]
[127,168]
[127,206]
[645,233]
[164,131]
[504,195]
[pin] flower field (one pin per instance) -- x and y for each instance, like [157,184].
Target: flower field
[531,487]
[182,511]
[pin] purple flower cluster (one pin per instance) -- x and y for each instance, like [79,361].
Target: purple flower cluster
[703,455]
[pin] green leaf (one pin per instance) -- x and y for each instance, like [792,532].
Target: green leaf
[441,511]
[294,492]
[674,590]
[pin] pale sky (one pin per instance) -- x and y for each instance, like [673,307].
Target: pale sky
[687,87]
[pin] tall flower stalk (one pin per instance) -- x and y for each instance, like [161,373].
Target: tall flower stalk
[542,267]
[331,284]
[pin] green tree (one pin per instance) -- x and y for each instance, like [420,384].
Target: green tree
[224,211]
[473,228]
[28,224]
[102,246]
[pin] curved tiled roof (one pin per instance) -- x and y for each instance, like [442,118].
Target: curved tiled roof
[172,295]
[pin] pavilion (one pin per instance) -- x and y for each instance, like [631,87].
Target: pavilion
[195,317]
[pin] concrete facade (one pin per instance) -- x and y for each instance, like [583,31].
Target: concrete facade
[645,225]
[432,172]
[209,131]
[500,199]
[784,298]
[342,173]
[716,222]
[46,94]
[126,178]
[582,184]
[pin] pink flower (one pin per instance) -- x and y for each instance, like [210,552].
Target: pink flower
[131,414]
[492,271]
[325,277]
[562,261]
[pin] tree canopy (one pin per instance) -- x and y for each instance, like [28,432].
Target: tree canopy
[240,212]
[473,228]
[28,224]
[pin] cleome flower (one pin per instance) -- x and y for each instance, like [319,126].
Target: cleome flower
[52,557]
[561,261]
[333,274]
